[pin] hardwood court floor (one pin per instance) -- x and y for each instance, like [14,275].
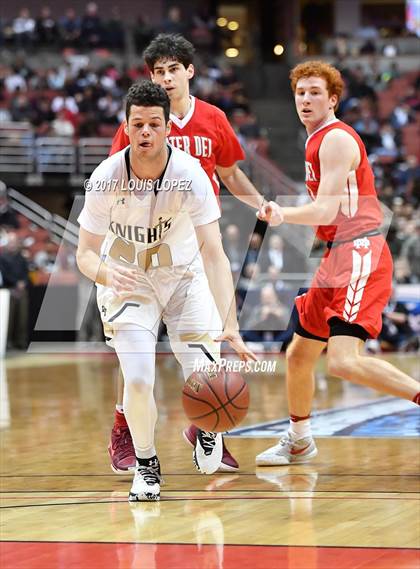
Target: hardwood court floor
[355,506]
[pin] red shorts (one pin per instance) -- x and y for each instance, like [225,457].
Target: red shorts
[353,283]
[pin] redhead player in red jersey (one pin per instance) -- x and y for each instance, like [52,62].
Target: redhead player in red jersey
[203,131]
[353,283]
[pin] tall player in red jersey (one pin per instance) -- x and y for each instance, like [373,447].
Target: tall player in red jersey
[352,286]
[203,131]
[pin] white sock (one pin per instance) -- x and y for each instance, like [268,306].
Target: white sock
[145,453]
[300,429]
[120,409]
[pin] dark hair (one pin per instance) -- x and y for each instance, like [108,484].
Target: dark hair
[169,46]
[147,94]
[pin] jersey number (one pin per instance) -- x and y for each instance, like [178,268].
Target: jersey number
[158,256]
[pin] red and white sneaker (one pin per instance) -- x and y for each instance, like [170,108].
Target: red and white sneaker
[121,450]
[228,464]
[288,451]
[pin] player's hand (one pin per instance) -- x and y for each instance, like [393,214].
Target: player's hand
[271,213]
[236,342]
[122,279]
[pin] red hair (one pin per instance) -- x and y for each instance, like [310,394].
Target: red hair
[332,76]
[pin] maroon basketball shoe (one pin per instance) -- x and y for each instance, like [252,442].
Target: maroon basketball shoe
[229,464]
[121,450]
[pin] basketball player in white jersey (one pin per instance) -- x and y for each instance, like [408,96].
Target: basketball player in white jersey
[150,239]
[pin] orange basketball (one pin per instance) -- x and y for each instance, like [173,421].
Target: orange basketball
[216,401]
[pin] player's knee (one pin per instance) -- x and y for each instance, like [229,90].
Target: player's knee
[139,385]
[295,356]
[339,365]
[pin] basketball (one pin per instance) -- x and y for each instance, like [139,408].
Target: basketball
[216,401]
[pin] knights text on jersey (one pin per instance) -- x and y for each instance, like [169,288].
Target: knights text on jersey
[205,133]
[145,227]
[360,210]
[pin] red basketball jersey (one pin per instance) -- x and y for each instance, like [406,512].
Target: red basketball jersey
[360,210]
[205,133]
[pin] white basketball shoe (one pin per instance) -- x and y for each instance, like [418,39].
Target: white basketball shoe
[146,482]
[208,452]
[288,451]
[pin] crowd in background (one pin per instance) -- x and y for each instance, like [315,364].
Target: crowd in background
[89,29]
[75,99]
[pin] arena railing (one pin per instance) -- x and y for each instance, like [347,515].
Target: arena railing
[16,147]
[55,155]
[91,151]
[58,227]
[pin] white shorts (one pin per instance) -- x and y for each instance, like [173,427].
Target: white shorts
[181,297]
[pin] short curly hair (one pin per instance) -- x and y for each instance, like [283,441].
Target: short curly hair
[332,76]
[169,46]
[147,94]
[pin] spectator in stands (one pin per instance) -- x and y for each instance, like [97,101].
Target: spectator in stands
[14,81]
[87,101]
[250,127]
[61,126]
[91,26]
[90,125]
[358,86]
[46,28]
[113,30]
[204,84]
[203,30]
[401,116]
[368,128]
[14,270]
[232,247]
[24,29]
[109,109]
[229,79]
[8,217]
[174,23]
[21,108]
[64,101]
[38,81]
[388,142]
[275,253]
[253,250]
[42,116]
[410,252]
[56,78]
[268,319]
[250,282]
[396,331]
[143,33]
[70,29]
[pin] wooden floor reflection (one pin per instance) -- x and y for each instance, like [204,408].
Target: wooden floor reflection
[356,505]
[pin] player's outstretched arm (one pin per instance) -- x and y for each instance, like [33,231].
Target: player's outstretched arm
[338,155]
[219,275]
[335,168]
[240,185]
[121,279]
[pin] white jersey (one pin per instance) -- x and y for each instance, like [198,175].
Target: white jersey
[146,226]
